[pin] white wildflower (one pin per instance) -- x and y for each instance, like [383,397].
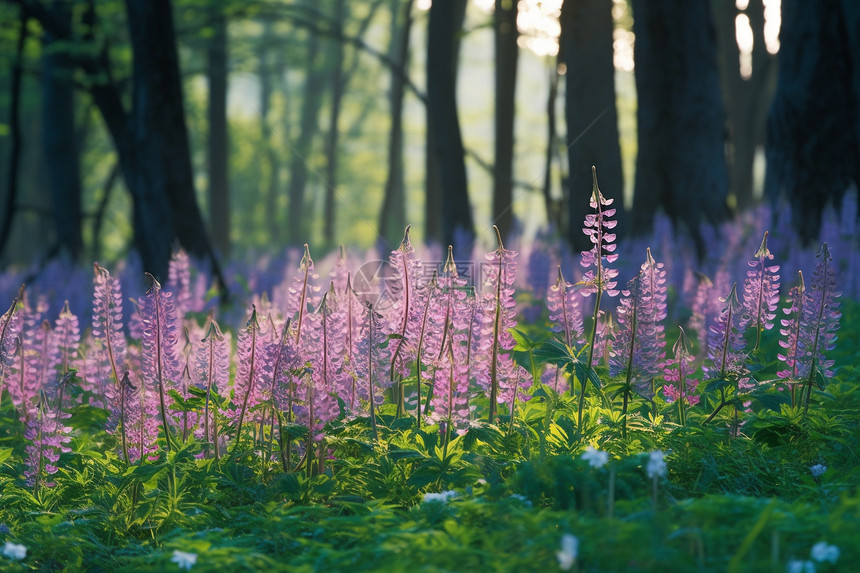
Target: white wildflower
[14,550]
[821,551]
[798,566]
[656,465]
[442,497]
[595,457]
[183,559]
[567,554]
[817,470]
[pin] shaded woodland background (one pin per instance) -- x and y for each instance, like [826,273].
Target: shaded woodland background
[231,127]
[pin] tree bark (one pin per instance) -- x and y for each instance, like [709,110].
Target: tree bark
[331,142]
[217,144]
[812,127]
[392,217]
[445,22]
[507,53]
[590,113]
[15,136]
[681,164]
[301,150]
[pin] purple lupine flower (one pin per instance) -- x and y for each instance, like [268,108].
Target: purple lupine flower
[67,337]
[10,330]
[726,357]
[159,348]
[565,310]
[761,292]
[429,338]
[498,320]
[707,307]
[27,372]
[677,371]
[599,278]
[187,296]
[347,323]
[303,295]
[108,322]
[792,330]
[820,321]
[251,357]
[373,355]
[47,437]
[402,314]
[213,375]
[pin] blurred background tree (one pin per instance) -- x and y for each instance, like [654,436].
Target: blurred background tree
[237,126]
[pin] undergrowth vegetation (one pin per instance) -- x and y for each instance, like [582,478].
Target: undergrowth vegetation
[416,413]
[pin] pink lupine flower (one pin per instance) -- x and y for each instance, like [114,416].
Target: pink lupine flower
[565,310]
[677,370]
[47,437]
[159,348]
[761,292]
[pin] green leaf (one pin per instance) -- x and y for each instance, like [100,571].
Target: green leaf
[718,384]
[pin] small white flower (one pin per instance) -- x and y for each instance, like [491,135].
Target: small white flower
[798,566]
[821,551]
[656,465]
[183,559]
[817,470]
[595,457]
[567,554]
[442,497]
[14,550]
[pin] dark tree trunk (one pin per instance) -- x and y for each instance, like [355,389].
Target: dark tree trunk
[392,217]
[813,128]
[331,142]
[301,150]
[219,189]
[15,136]
[60,140]
[445,22]
[271,182]
[681,164]
[589,108]
[160,178]
[507,53]
[746,98]
[554,211]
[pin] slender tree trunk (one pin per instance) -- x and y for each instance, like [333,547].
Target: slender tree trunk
[219,191]
[337,88]
[60,140]
[301,150]
[589,108]
[15,135]
[271,177]
[445,22]
[554,212]
[507,54]
[392,217]
[681,164]
[812,127]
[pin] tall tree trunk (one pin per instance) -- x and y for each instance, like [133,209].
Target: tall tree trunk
[554,213]
[589,108]
[270,184]
[507,54]
[337,87]
[301,150]
[157,168]
[392,217]
[219,190]
[812,127]
[681,164]
[445,22]
[60,139]
[15,135]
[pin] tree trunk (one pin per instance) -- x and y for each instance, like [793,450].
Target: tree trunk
[589,108]
[445,22]
[301,150]
[219,190]
[681,164]
[271,177]
[337,87]
[60,140]
[160,178]
[507,53]
[15,134]
[392,217]
[812,127]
